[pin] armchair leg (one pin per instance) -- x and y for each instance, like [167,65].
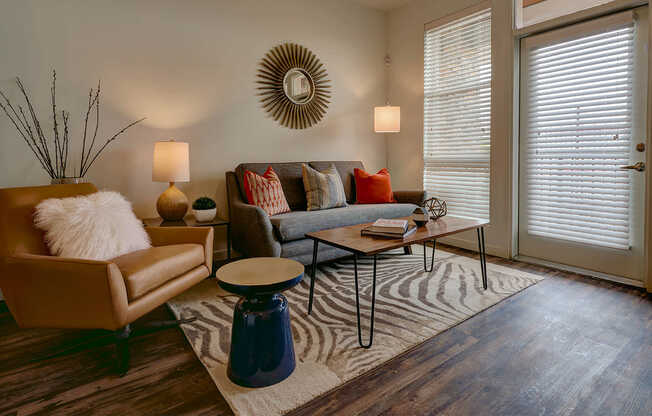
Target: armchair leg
[121,340]
[122,349]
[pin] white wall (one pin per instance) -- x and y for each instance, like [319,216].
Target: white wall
[189,67]
[406,29]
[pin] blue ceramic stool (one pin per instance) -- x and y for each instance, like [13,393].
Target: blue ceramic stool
[262,350]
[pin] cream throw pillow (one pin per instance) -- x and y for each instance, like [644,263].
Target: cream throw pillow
[97,226]
[324,189]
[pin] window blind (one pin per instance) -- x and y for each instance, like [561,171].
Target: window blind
[457,112]
[579,132]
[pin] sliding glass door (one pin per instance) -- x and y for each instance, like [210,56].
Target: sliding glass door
[582,144]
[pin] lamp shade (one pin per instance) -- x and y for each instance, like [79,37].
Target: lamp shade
[171,162]
[387,119]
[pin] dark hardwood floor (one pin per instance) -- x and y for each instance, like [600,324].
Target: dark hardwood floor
[569,345]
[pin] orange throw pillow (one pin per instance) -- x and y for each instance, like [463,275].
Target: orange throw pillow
[266,191]
[373,189]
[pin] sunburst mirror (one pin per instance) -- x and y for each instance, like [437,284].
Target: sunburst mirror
[294,86]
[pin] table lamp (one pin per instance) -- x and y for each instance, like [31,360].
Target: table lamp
[171,164]
[387,119]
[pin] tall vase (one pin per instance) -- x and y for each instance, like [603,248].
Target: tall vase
[67,181]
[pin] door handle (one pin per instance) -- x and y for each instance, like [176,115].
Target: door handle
[639,166]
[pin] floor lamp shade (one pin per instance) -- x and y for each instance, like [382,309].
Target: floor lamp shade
[387,119]
[171,164]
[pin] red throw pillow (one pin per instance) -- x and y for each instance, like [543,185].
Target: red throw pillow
[373,189]
[266,191]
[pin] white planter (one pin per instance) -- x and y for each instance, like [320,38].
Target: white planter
[204,215]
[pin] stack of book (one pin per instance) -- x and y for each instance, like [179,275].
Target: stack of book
[389,228]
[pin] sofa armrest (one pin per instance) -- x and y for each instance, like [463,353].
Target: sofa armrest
[58,292]
[252,232]
[166,236]
[410,197]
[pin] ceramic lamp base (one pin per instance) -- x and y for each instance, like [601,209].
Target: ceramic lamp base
[172,205]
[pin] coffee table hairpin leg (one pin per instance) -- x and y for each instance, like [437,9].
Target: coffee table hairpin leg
[312,275]
[483,256]
[432,259]
[357,303]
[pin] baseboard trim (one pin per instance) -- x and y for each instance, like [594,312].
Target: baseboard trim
[579,270]
[492,250]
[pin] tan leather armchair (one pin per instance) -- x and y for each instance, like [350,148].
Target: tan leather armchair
[47,291]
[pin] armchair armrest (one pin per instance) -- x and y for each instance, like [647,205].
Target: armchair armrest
[410,197]
[165,236]
[57,292]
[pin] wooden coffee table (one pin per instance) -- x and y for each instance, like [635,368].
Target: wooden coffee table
[349,238]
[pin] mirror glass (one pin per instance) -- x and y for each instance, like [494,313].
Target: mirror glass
[298,86]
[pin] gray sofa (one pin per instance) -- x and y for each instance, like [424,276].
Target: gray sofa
[255,234]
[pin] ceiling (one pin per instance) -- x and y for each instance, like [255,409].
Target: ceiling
[384,5]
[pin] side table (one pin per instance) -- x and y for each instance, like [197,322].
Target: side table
[262,349]
[192,222]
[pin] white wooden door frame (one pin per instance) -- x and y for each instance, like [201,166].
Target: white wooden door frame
[607,256]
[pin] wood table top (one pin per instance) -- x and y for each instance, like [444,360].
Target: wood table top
[349,238]
[259,271]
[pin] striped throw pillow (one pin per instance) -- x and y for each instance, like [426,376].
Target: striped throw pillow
[266,191]
[323,189]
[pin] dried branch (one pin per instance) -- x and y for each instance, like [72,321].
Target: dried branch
[114,137]
[66,140]
[37,125]
[36,144]
[97,116]
[30,130]
[24,134]
[96,103]
[88,112]
[58,155]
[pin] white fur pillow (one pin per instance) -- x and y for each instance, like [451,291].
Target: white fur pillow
[97,226]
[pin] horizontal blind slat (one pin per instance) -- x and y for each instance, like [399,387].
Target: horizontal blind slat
[578,134]
[457,114]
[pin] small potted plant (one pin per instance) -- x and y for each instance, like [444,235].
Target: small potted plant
[204,209]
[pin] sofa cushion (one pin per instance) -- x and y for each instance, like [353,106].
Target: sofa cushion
[324,188]
[145,270]
[345,169]
[373,189]
[294,225]
[289,174]
[266,191]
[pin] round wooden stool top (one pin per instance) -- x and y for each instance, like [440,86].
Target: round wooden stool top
[259,275]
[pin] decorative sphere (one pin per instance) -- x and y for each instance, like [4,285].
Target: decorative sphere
[436,208]
[420,216]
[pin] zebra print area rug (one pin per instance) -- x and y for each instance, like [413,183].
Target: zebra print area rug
[412,306]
